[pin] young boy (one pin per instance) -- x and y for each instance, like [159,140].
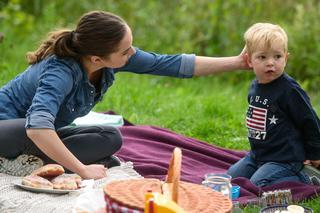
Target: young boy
[283,128]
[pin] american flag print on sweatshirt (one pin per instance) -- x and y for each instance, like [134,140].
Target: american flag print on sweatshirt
[256,118]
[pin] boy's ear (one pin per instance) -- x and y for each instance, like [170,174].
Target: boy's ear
[248,60]
[287,56]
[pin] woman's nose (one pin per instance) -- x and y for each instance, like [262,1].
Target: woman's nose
[131,51]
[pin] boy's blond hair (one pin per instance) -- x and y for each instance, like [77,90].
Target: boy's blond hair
[264,35]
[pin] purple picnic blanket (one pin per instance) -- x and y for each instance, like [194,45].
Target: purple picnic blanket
[150,149]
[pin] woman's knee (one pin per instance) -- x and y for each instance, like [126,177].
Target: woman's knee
[113,136]
[118,139]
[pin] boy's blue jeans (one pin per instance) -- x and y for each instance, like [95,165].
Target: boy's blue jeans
[267,173]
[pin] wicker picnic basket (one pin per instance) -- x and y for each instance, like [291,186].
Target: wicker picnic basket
[129,195]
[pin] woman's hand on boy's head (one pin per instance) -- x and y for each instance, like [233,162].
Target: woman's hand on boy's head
[244,55]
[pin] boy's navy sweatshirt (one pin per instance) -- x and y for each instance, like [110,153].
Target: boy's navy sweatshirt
[282,125]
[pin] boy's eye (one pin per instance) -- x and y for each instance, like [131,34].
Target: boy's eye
[261,57]
[278,56]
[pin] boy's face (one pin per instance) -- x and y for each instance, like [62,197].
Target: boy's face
[268,63]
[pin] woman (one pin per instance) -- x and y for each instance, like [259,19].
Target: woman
[68,74]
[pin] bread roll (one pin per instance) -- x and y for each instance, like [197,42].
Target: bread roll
[66,183]
[49,171]
[37,182]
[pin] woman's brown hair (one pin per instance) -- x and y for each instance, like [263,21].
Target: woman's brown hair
[97,33]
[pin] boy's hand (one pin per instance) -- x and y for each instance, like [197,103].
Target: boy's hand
[315,163]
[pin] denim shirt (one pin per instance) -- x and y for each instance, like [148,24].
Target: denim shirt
[52,93]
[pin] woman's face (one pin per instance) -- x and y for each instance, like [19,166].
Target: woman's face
[124,52]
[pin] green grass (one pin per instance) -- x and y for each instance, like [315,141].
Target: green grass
[203,108]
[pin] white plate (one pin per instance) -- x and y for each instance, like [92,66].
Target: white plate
[33,189]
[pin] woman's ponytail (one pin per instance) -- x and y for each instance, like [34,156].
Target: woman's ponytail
[58,42]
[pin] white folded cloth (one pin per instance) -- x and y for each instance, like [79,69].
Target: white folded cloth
[94,118]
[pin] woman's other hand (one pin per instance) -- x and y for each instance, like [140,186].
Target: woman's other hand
[93,171]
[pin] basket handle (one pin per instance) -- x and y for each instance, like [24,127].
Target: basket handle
[170,188]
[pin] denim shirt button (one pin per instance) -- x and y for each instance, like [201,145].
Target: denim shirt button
[72,109]
[91,91]
[90,104]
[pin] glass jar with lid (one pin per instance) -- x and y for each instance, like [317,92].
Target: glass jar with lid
[219,182]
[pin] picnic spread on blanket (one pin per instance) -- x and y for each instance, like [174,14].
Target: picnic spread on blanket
[131,196]
[15,200]
[148,149]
